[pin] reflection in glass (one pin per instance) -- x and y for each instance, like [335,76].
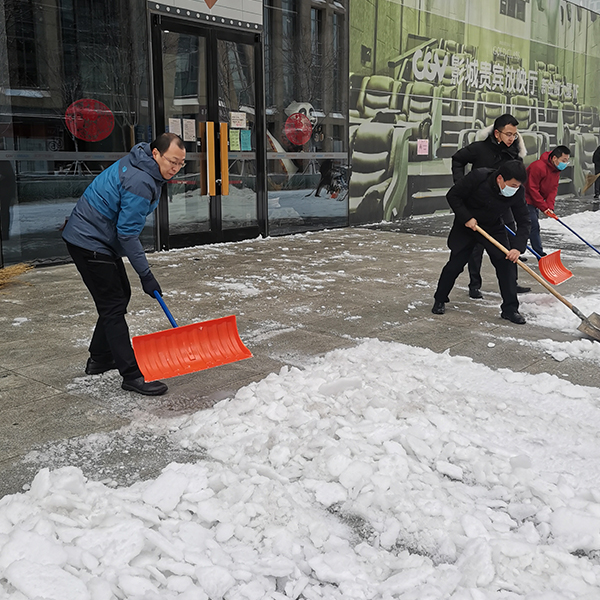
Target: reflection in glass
[237,95]
[185,102]
[307,131]
[57,54]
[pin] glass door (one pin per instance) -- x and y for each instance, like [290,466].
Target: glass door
[206,81]
[185,112]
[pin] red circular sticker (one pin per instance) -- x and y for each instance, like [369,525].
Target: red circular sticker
[298,129]
[89,120]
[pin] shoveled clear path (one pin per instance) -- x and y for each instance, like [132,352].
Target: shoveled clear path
[295,297]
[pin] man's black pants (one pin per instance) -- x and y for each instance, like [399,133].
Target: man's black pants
[107,281]
[461,242]
[476,259]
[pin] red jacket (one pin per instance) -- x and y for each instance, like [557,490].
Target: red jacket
[542,183]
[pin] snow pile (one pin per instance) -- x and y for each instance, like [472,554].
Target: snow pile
[383,471]
[584,349]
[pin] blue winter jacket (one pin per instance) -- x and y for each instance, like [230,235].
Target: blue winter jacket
[111,213]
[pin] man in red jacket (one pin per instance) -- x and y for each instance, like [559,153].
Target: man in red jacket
[543,177]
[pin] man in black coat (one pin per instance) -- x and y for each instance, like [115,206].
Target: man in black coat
[596,161]
[482,198]
[492,147]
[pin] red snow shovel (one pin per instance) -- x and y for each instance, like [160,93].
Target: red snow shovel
[189,348]
[589,325]
[550,265]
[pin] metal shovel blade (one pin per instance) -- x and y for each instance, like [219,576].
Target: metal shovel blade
[552,269]
[591,326]
[189,348]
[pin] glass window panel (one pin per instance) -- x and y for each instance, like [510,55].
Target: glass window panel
[56,54]
[307,130]
[236,94]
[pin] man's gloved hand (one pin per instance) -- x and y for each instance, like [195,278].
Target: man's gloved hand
[150,284]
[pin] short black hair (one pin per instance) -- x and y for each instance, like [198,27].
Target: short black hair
[507,119]
[559,151]
[512,169]
[163,142]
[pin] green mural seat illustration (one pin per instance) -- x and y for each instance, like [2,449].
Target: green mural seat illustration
[377,93]
[585,145]
[379,171]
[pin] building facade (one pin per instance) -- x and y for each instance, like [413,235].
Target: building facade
[296,114]
[428,75]
[257,91]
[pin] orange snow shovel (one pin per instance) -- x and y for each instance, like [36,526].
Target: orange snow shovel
[550,265]
[189,348]
[589,325]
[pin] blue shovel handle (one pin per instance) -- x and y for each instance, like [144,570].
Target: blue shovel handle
[164,307]
[538,256]
[573,231]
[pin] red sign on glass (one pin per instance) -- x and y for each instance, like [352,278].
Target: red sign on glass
[298,129]
[89,120]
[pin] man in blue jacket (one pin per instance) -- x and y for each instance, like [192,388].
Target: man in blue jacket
[104,226]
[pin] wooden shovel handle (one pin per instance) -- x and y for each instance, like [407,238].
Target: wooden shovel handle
[539,279]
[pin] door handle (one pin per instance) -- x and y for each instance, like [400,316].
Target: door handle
[208,161]
[223,139]
[203,159]
[211,164]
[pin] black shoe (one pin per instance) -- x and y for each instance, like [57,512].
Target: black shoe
[439,308]
[543,254]
[515,317]
[93,367]
[150,388]
[475,294]
[523,290]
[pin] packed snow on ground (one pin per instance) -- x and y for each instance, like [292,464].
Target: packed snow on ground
[545,310]
[378,472]
[586,224]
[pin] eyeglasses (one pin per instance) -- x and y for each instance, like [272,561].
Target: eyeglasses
[510,136]
[174,163]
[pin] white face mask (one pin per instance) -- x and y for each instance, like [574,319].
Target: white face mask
[508,191]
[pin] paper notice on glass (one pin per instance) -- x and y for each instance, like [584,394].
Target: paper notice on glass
[237,120]
[246,140]
[189,130]
[175,126]
[234,140]
[422,147]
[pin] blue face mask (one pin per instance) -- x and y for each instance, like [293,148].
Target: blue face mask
[561,166]
[508,191]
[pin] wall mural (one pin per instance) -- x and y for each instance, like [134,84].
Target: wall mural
[427,75]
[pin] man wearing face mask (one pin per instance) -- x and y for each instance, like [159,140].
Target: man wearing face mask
[482,198]
[492,147]
[543,177]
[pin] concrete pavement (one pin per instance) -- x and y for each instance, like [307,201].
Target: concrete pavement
[295,297]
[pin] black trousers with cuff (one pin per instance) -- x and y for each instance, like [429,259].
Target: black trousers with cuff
[107,281]
[461,242]
[476,259]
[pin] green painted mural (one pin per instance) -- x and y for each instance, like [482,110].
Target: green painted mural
[428,76]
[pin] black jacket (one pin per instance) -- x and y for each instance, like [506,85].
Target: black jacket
[486,153]
[596,158]
[478,196]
